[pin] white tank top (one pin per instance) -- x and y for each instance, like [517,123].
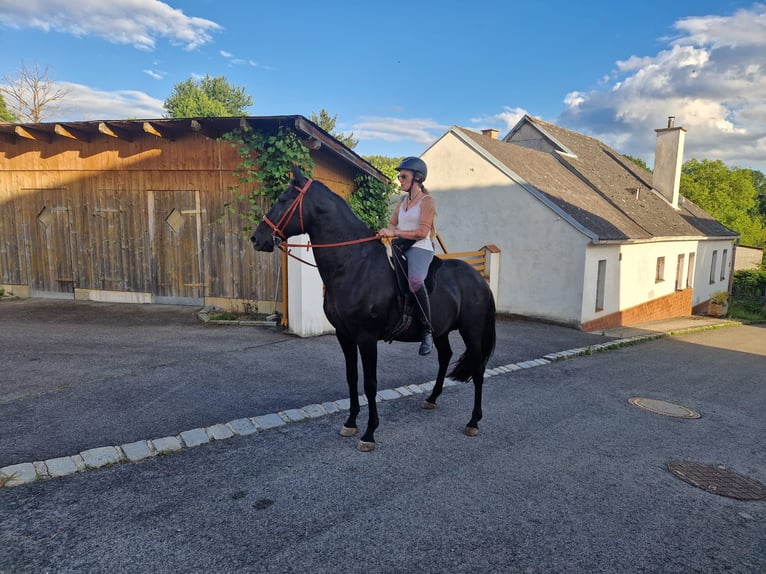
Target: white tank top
[409,220]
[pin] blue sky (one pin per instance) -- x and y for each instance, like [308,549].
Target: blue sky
[398,74]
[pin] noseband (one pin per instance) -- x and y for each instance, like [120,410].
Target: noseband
[278,234]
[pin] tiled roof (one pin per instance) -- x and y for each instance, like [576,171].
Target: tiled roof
[596,187]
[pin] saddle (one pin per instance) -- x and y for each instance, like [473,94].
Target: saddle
[406,300]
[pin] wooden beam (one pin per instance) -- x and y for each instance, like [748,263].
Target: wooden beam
[205,130]
[72,133]
[32,134]
[151,129]
[114,132]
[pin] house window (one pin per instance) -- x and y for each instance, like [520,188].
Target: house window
[680,273]
[723,264]
[600,285]
[690,272]
[713,266]
[659,276]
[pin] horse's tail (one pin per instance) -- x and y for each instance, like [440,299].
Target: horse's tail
[468,362]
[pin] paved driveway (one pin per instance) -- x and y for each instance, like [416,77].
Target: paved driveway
[79,375]
[567,476]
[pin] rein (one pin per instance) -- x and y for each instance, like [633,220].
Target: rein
[297,204]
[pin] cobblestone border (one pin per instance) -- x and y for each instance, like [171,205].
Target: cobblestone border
[26,472]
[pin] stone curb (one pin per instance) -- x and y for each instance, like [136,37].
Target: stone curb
[24,473]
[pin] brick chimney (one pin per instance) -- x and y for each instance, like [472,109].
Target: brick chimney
[490,133]
[668,159]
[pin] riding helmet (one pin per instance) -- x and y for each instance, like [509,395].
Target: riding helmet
[414,164]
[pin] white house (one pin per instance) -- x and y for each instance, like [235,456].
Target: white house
[587,237]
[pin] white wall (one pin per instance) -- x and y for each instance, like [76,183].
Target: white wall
[543,257]
[595,253]
[703,288]
[305,297]
[639,265]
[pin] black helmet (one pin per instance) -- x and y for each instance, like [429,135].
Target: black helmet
[414,164]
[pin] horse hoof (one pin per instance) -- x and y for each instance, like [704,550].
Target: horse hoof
[471,431]
[364,446]
[347,431]
[428,406]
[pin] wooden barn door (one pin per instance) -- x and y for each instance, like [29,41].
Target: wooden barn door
[49,215]
[13,245]
[176,250]
[117,247]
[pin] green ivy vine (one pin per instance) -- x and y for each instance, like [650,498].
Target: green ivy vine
[264,170]
[370,201]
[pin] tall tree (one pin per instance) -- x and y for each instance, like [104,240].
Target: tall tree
[759,181]
[386,165]
[31,95]
[327,122]
[728,194]
[5,115]
[207,97]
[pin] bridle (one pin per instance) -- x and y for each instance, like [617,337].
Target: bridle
[297,204]
[278,233]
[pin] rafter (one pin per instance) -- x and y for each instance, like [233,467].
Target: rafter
[152,129]
[114,132]
[73,133]
[33,134]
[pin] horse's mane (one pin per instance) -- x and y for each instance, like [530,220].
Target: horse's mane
[343,209]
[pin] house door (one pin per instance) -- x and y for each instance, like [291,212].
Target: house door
[176,250]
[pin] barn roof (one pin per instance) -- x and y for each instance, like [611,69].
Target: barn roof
[171,129]
[595,187]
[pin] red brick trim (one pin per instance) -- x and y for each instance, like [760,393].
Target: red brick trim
[678,304]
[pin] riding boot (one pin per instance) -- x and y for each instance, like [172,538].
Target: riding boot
[424,305]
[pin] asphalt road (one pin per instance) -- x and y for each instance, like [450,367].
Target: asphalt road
[566,476]
[80,375]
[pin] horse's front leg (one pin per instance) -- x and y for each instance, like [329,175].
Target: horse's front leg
[368,349]
[352,378]
[444,351]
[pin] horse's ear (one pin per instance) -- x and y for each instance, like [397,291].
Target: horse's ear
[298,177]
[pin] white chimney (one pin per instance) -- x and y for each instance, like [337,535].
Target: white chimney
[668,159]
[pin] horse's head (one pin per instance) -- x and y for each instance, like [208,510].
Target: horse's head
[285,218]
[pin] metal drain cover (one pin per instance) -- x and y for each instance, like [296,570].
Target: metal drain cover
[718,480]
[664,408]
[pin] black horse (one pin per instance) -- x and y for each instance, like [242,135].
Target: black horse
[363,301]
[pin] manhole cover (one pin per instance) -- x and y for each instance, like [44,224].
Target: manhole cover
[718,480]
[664,408]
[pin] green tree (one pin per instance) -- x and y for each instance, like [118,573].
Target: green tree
[728,194]
[639,162]
[5,115]
[759,181]
[386,165]
[327,122]
[207,97]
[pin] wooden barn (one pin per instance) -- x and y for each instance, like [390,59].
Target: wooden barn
[134,210]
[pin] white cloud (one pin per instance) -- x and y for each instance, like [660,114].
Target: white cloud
[155,75]
[711,77]
[83,104]
[422,131]
[505,120]
[133,22]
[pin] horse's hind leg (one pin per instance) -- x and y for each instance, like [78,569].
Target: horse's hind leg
[352,378]
[477,375]
[472,428]
[445,354]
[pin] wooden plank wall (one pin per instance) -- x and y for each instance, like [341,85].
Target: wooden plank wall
[144,216]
